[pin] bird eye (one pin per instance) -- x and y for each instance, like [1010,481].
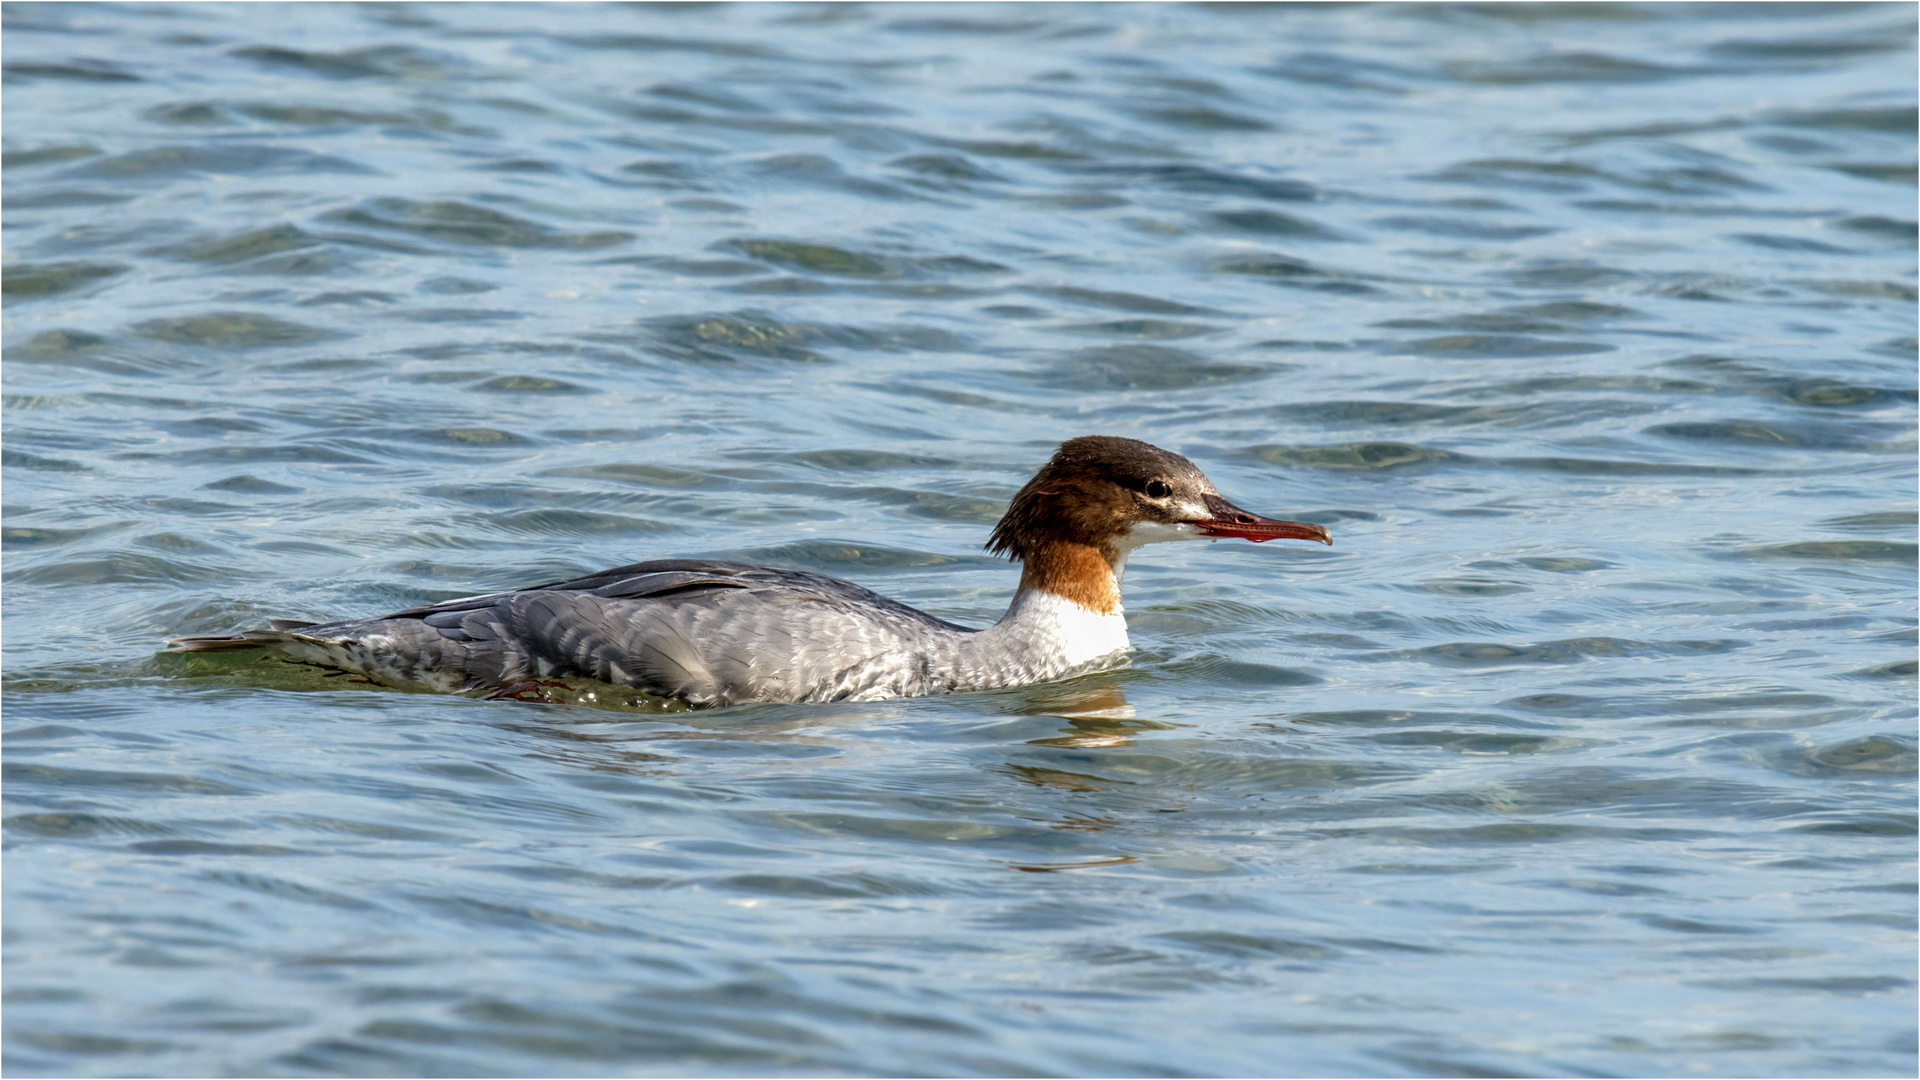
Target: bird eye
[1158,489]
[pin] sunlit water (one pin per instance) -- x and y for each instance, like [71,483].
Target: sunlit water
[1589,332]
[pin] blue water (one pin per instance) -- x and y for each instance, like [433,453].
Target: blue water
[1589,749]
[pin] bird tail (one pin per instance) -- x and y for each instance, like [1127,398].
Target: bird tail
[250,639]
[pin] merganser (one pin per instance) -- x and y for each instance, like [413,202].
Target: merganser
[709,633]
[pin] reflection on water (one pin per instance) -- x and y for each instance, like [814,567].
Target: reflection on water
[1094,706]
[1589,329]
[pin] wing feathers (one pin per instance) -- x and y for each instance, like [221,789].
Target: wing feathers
[705,631]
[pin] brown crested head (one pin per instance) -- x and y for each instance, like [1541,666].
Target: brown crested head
[1092,492]
[1099,491]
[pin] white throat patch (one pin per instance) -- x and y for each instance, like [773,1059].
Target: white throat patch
[1144,533]
[1154,532]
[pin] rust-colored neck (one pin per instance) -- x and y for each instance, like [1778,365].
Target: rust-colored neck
[1077,572]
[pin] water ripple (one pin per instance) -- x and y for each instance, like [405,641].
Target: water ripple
[1588,330]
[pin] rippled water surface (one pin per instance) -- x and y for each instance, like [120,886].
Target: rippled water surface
[1589,332]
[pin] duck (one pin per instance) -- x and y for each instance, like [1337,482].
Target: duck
[707,633]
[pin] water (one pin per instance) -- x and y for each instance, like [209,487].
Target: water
[1589,333]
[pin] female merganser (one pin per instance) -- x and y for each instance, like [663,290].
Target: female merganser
[713,633]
